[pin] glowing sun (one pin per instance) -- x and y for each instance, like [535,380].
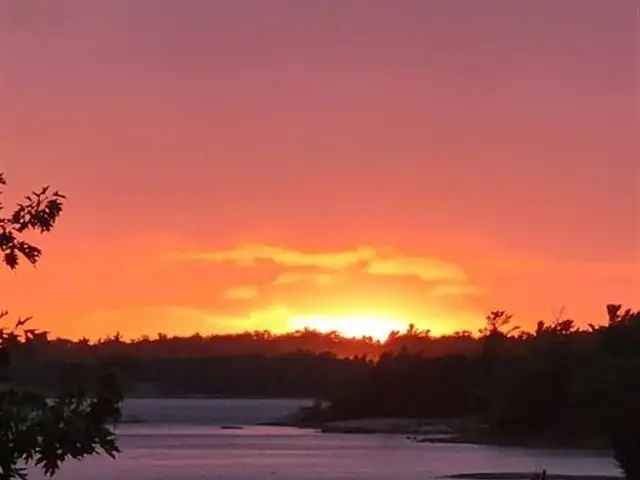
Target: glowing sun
[351,325]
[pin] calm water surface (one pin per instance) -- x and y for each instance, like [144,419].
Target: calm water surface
[183,440]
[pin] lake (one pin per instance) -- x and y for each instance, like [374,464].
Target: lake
[182,439]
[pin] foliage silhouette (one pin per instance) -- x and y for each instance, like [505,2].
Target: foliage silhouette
[559,385]
[32,428]
[38,212]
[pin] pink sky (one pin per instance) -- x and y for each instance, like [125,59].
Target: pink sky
[492,138]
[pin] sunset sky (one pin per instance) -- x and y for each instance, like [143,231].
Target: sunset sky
[350,165]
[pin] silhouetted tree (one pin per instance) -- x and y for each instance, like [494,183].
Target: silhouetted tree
[38,212]
[496,322]
[32,428]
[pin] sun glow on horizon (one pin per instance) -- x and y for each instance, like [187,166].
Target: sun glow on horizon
[373,325]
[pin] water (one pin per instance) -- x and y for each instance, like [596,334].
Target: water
[183,440]
[223,411]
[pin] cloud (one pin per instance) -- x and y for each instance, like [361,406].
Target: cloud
[249,255]
[364,258]
[426,269]
[243,292]
[455,290]
[185,320]
[149,319]
[317,279]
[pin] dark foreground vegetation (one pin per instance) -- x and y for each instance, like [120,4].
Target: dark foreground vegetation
[556,386]
[559,385]
[33,428]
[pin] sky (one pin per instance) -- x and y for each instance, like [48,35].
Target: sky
[350,165]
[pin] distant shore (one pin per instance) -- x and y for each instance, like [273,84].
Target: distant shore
[437,430]
[215,397]
[528,476]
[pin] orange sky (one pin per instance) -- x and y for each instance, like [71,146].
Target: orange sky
[350,165]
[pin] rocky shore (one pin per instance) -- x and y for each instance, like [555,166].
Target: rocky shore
[439,430]
[390,425]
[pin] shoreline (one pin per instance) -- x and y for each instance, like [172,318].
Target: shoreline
[528,476]
[420,430]
[213,397]
[447,431]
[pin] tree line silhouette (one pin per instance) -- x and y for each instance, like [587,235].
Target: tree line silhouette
[559,385]
[559,380]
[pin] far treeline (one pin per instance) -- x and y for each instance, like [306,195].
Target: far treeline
[558,379]
[559,385]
